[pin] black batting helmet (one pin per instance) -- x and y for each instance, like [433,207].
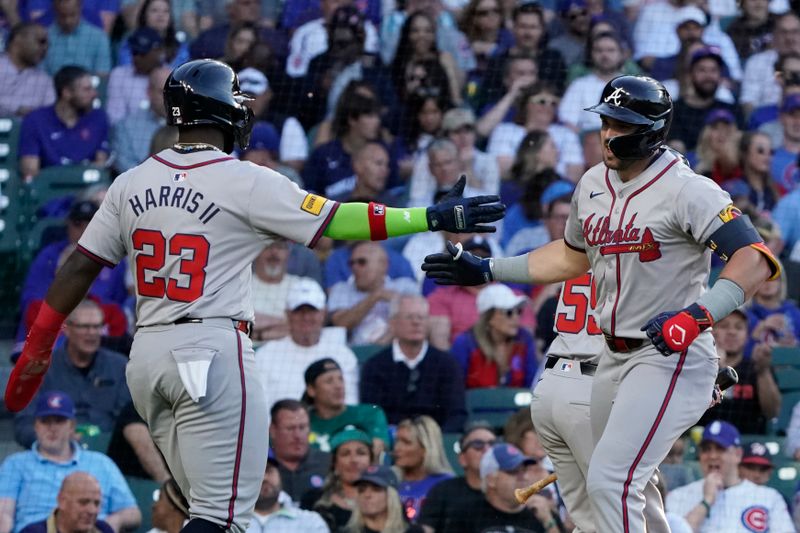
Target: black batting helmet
[206,92]
[641,101]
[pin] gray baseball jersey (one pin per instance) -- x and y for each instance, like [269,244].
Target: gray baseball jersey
[644,239]
[648,233]
[560,406]
[191,225]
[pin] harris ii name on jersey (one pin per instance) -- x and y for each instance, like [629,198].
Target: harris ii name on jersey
[179,197]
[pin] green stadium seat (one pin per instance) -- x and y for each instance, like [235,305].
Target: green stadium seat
[55,182]
[789,400]
[9,141]
[12,210]
[788,378]
[782,356]
[452,449]
[365,351]
[96,443]
[784,479]
[143,492]
[496,404]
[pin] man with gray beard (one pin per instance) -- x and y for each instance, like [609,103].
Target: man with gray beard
[274,512]
[271,286]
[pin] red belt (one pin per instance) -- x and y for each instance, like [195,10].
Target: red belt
[240,325]
[622,344]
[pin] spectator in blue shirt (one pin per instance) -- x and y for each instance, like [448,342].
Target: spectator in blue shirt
[787,215]
[74,41]
[99,13]
[93,376]
[30,480]
[76,511]
[784,160]
[68,132]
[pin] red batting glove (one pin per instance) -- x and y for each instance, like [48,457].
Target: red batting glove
[675,331]
[32,365]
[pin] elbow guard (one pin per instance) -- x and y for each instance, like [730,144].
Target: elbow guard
[737,232]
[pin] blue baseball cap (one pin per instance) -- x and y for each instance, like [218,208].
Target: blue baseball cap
[380,475]
[556,190]
[503,457]
[264,137]
[55,403]
[720,115]
[711,52]
[722,433]
[790,103]
[143,40]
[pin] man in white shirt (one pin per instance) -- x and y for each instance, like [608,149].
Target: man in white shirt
[274,512]
[271,286]
[281,363]
[723,501]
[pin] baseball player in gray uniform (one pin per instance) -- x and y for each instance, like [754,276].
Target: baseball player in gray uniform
[191,219]
[646,225]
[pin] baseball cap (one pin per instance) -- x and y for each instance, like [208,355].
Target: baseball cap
[790,103]
[143,40]
[498,296]
[317,368]
[720,115]
[556,190]
[252,81]
[757,453]
[264,137]
[305,291]
[457,118]
[691,14]
[503,457]
[348,434]
[565,6]
[722,433]
[55,403]
[82,211]
[707,52]
[380,475]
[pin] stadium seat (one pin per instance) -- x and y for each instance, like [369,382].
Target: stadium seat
[56,182]
[366,351]
[9,141]
[143,490]
[788,402]
[12,213]
[773,443]
[451,448]
[96,443]
[784,480]
[496,404]
[782,356]
[788,378]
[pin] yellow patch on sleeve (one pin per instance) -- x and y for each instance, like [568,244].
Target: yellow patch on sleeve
[313,204]
[729,213]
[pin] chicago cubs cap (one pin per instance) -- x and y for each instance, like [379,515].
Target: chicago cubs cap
[757,453]
[380,475]
[348,434]
[498,296]
[720,115]
[55,403]
[305,291]
[143,40]
[503,457]
[707,51]
[317,368]
[722,433]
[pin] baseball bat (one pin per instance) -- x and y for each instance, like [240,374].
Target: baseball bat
[522,495]
[726,378]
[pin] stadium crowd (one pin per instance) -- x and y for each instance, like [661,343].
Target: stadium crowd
[367,366]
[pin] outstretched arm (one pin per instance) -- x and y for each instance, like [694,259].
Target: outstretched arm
[373,221]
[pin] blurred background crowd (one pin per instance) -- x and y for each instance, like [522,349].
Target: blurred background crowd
[396,405]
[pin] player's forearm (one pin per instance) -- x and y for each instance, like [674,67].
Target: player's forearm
[551,263]
[351,222]
[748,268]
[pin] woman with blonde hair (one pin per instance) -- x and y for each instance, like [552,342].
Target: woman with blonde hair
[420,459]
[717,154]
[378,506]
[497,352]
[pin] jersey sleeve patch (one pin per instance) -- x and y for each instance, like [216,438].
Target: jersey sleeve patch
[729,213]
[313,204]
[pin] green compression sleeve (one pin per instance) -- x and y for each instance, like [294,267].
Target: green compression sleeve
[351,222]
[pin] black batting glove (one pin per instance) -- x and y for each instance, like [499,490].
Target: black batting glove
[457,267]
[457,214]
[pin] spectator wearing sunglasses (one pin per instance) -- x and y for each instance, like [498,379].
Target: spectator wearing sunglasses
[328,413]
[496,351]
[411,377]
[448,507]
